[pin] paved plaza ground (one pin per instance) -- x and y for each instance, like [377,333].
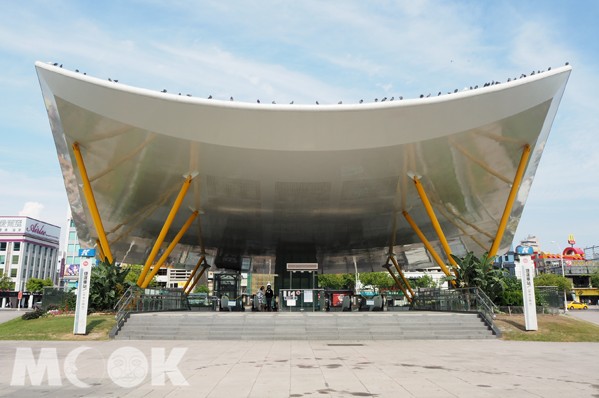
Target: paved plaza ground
[460,368]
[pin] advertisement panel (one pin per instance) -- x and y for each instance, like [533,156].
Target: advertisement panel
[31,227]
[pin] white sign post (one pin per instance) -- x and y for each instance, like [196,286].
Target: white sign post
[528,293]
[85,270]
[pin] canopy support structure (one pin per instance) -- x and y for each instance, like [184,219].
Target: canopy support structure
[431,214]
[169,249]
[205,266]
[397,282]
[200,261]
[401,274]
[510,201]
[164,231]
[428,245]
[93,207]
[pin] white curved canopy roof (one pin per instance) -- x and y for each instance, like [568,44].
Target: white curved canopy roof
[331,176]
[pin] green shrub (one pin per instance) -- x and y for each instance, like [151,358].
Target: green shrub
[33,314]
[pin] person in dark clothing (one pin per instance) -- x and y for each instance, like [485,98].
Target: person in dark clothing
[269,295]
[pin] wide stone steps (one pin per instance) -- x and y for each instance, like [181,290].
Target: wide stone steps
[410,325]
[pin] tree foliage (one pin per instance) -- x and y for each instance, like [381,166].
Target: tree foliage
[133,273]
[377,280]
[336,281]
[423,281]
[595,279]
[201,289]
[549,279]
[512,294]
[480,273]
[107,285]
[6,283]
[36,285]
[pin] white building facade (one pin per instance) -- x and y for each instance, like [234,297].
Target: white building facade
[28,249]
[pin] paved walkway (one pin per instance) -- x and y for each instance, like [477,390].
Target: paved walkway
[8,314]
[446,368]
[590,315]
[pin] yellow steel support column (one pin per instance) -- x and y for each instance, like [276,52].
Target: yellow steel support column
[165,228]
[169,249]
[195,282]
[100,252]
[91,202]
[400,272]
[434,221]
[397,282]
[200,261]
[510,201]
[428,246]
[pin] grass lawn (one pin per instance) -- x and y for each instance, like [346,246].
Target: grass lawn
[59,327]
[551,328]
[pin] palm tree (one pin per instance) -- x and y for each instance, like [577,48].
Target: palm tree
[479,273]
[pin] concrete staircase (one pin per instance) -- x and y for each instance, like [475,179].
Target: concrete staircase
[408,325]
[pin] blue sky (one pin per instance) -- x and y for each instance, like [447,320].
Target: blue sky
[307,51]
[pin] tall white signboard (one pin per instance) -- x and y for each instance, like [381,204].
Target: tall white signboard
[85,270]
[528,293]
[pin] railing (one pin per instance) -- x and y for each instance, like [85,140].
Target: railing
[458,300]
[136,299]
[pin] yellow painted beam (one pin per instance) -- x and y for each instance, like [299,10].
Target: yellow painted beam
[91,203]
[195,282]
[100,251]
[170,248]
[200,261]
[403,277]
[164,231]
[397,282]
[431,214]
[510,201]
[428,245]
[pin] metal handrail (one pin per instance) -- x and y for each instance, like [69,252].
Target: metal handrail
[460,300]
[136,299]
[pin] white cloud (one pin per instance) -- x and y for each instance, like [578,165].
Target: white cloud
[32,209]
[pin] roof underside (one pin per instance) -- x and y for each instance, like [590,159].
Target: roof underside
[331,176]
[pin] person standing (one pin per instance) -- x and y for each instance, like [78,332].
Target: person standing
[269,295]
[260,299]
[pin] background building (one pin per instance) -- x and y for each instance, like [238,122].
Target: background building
[28,249]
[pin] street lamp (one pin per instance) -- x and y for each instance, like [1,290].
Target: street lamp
[561,262]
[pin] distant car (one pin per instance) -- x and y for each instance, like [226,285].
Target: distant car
[577,305]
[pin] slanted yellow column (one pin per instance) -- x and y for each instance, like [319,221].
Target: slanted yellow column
[164,231]
[197,279]
[169,249]
[397,282]
[400,272]
[510,201]
[200,261]
[434,221]
[428,246]
[91,203]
